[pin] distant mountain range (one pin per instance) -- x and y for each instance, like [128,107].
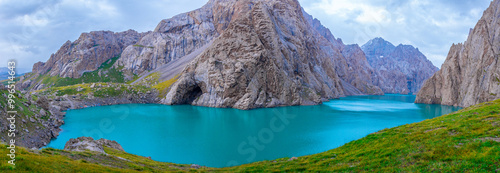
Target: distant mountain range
[4,73]
[403,67]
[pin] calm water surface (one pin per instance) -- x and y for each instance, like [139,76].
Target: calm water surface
[218,137]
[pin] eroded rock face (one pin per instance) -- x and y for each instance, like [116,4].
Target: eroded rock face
[87,53]
[401,69]
[350,62]
[177,37]
[172,39]
[471,73]
[268,56]
[359,73]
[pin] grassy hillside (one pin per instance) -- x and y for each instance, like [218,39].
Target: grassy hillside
[467,140]
[99,90]
[464,141]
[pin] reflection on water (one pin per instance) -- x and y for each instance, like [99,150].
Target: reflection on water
[221,137]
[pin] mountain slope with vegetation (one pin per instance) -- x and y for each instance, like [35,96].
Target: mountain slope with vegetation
[467,140]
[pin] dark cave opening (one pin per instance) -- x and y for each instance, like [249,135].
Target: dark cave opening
[194,94]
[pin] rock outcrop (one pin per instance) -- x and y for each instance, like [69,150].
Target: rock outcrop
[87,53]
[269,55]
[471,72]
[401,69]
[35,125]
[89,144]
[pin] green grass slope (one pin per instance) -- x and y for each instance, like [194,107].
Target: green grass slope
[464,141]
[106,73]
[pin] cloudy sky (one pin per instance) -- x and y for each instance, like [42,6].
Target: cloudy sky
[31,30]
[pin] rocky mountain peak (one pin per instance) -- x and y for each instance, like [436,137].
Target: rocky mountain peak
[377,48]
[404,66]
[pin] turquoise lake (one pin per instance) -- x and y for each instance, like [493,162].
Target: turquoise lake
[218,137]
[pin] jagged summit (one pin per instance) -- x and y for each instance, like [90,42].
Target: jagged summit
[404,66]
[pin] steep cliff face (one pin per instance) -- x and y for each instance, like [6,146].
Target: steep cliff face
[174,38]
[471,73]
[87,53]
[350,62]
[401,69]
[268,56]
[359,73]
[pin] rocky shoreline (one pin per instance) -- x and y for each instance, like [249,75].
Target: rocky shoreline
[43,124]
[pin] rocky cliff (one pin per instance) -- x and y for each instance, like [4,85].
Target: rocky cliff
[350,62]
[175,38]
[267,56]
[471,72]
[401,69]
[358,72]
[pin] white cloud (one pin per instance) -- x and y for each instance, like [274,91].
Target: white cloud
[93,8]
[361,12]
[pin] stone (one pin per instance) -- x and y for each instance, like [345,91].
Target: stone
[88,143]
[110,144]
[83,144]
[471,71]
[42,112]
[293,158]
[195,166]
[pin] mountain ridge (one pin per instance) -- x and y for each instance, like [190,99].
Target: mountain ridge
[404,66]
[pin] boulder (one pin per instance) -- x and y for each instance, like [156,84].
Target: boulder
[195,166]
[88,143]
